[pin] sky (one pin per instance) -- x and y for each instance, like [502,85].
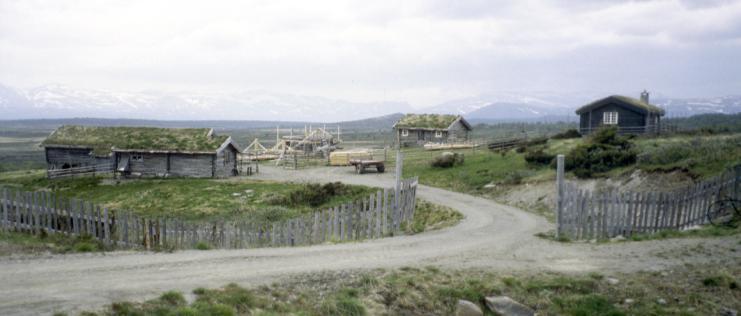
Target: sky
[421,52]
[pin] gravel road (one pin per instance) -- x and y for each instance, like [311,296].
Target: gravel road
[491,236]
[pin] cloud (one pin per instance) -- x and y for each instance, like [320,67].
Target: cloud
[417,51]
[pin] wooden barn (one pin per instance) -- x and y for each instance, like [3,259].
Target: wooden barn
[420,129]
[143,151]
[631,116]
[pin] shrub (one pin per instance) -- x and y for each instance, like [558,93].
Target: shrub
[569,133]
[447,160]
[313,194]
[604,151]
[538,157]
[202,246]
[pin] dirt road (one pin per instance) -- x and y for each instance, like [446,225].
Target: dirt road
[491,236]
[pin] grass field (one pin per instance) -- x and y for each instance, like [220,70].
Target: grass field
[184,198]
[687,290]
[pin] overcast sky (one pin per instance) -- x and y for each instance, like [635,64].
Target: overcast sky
[422,52]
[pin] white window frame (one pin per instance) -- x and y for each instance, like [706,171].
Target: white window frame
[438,134]
[404,132]
[610,118]
[137,157]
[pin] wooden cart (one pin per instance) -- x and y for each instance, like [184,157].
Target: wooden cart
[360,165]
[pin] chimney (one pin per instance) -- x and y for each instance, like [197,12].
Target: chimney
[644,96]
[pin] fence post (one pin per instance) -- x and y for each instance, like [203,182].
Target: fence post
[559,193]
[737,182]
[397,185]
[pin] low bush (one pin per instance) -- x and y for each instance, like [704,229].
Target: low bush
[447,160]
[313,194]
[539,157]
[523,146]
[567,134]
[604,151]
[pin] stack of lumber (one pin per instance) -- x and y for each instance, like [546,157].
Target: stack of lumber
[342,158]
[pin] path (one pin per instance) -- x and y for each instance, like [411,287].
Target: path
[491,236]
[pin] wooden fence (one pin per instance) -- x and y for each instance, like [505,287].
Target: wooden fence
[379,215]
[86,170]
[594,215]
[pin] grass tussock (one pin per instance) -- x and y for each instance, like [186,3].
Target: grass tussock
[432,291]
[430,216]
[21,242]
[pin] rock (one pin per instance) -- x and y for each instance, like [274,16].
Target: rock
[236,194]
[593,241]
[629,301]
[664,274]
[250,191]
[612,281]
[490,186]
[725,311]
[661,301]
[617,238]
[506,306]
[466,308]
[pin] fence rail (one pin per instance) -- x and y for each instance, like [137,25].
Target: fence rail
[86,170]
[380,214]
[593,215]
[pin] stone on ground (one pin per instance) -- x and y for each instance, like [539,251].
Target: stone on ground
[506,306]
[466,308]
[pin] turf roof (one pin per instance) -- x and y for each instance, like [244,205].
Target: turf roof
[103,139]
[625,100]
[436,121]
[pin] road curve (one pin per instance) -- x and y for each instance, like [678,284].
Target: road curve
[491,236]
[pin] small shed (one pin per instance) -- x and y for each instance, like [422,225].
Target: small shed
[420,129]
[631,116]
[143,151]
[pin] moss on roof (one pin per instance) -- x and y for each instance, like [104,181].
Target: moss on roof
[628,100]
[103,139]
[441,121]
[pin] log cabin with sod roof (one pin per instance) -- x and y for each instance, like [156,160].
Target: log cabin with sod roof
[631,116]
[143,151]
[420,129]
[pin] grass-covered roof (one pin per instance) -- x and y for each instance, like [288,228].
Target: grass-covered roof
[432,121]
[104,139]
[635,103]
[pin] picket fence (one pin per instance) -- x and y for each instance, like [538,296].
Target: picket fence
[596,215]
[379,215]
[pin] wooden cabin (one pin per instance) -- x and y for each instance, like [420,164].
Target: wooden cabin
[631,116]
[143,151]
[420,129]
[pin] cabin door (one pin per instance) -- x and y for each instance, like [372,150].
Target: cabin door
[421,135]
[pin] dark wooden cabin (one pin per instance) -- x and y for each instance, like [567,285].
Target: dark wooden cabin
[420,129]
[143,151]
[631,116]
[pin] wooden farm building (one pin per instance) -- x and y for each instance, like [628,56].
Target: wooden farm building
[420,129]
[631,116]
[143,151]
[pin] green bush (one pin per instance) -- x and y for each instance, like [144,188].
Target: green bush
[604,151]
[447,160]
[539,157]
[316,194]
[567,134]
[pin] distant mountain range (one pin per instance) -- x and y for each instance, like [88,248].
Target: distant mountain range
[59,101]
[544,106]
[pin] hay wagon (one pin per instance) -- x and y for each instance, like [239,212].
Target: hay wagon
[361,164]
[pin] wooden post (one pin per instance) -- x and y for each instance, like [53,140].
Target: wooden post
[559,193]
[737,182]
[397,186]
[6,206]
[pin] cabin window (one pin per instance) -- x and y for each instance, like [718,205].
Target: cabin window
[137,157]
[438,134]
[610,118]
[405,132]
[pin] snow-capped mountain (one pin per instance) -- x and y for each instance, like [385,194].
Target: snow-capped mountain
[535,106]
[59,101]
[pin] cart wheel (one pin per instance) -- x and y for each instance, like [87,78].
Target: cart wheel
[380,168]
[361,169]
